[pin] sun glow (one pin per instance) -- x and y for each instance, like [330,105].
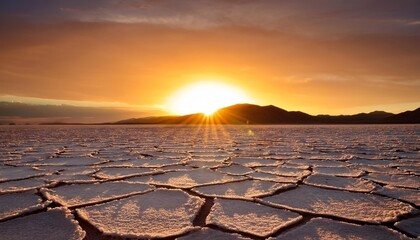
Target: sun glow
[205,97]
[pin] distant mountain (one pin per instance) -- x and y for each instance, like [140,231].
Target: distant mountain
[405,117]
[254,114]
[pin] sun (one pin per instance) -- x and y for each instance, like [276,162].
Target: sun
[205,97]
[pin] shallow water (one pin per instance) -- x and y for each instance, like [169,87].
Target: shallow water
[356,174]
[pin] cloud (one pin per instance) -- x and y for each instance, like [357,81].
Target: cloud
[307,17]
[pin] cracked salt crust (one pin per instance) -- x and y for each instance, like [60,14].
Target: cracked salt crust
[347,205]
[162,213]
[342,183]
[14,204]
[249,217]
[411,226]
[326,229]
[54,224]
[338,171]
[117,173]
[193,178]
[244,189]
[16,173]
[211,234]
[235,170]
[406,194]
[83,194]
[408,181]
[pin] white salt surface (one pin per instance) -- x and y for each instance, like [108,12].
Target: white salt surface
[54,224]
[411,226]
[348,205]
[118,173]
[162,213]
[14,204]
[407,181]
[244,189]
[326,229]
[83,194]
[342,183]
[15,173]
[22,185]
[211,234]
[409,195]
[193,178]
[249,217]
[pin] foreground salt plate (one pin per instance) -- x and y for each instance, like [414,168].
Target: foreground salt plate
[249,217]
[245,189]
[348,205]
[211,234]
[193,178]
[326,229]
[84,194]
[161,213]
[350,184]
[412,226]
[14,204]
[54,224]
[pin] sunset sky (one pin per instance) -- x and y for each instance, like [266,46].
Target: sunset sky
[131,58]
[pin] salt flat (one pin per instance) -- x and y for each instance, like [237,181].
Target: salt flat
[218,182]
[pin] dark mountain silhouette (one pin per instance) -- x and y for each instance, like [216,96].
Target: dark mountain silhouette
[405,117]
[254,114]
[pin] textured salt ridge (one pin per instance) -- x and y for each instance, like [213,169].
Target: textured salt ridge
[411,226]
[211,234]
[326,229]
[85,194]
[193,178]
[340,183]
[15,204]
[247,189]
[249,217]
[162,213]
[54,224]
[347,205]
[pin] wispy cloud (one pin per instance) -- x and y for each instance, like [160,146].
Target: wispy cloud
[317,18]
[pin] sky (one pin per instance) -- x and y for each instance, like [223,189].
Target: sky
[129,58]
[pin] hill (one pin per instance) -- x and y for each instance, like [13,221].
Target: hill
[254,114]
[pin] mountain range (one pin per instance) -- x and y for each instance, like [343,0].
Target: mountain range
[254,114]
